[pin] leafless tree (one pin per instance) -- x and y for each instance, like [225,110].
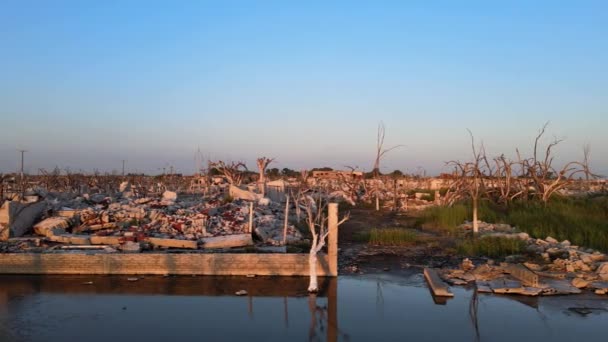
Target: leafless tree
[304,174]
[317,222]
[472,175]
[380,150]
[545,178]
[352,183]
[506,185]
[263,163]
[234,171]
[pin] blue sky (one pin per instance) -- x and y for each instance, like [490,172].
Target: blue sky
[85,84]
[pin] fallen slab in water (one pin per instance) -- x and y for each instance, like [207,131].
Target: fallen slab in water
[523,274]
[504,286]
[438,286]
[559,287]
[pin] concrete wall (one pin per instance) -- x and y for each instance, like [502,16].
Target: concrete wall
[163,263]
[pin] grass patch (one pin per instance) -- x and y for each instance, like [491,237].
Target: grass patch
[392,237]
[582,221]
[361,236]
[493,247]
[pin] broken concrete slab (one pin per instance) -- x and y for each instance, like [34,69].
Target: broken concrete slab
[531,291]
[131,247]
[52,226]
[71,239]
[106,240]
[173,243]
[69,213]
[23,216]
[523,274]
[483,286]
[601,287]
[238,193]
[437,286]
[602,271]
[169,198]
[559,286]
[504,286]
[228,241]
[580,283]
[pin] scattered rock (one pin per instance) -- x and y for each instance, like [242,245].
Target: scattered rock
[467,264]
[602,271]
[551,240]
[580,283]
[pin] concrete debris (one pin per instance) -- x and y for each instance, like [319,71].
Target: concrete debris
[437,286]
[238,193]
[173,243]
[52,226]
[212,220]
[600,287]
[130,246]
[228,241]
[580,283]
[467,265]
[559,267]
[523,274]
[602,271]
[169,198]
[22,216]
[504,285]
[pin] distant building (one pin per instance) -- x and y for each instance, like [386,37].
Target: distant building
[336,174]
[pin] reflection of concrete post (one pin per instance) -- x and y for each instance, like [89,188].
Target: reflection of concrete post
[332,239]
[332,310]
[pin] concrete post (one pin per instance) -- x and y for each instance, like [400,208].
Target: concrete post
[332,239]
[286,221]
[250,228]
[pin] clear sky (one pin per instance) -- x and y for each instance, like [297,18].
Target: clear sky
[86,84]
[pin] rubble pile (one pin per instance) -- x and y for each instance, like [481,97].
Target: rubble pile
[553,267]
[133,224]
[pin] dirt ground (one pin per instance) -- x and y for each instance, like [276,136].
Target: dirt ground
[357,256]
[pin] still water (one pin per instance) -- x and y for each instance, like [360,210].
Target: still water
[363,308]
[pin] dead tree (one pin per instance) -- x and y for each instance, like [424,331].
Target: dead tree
[380,150]
[506,184]
[472,176]
[317,222]
[262,165]
[234,172]
[547,179]
[351,183]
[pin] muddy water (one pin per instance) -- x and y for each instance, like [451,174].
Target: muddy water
[370,308]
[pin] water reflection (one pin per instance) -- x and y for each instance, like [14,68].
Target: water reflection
[279,309]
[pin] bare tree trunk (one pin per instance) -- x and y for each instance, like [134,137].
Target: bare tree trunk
[377,202]
[313,285]
[395,201]
[475,221]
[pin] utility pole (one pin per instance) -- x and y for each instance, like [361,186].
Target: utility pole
[21,174]
[22,153]
[123,167]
